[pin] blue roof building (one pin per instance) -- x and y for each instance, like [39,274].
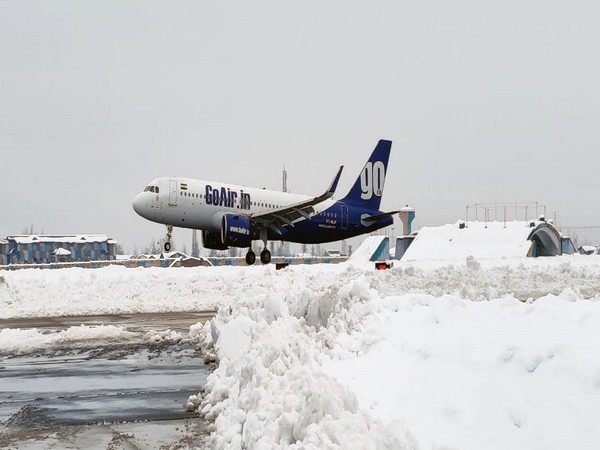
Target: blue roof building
[40,249]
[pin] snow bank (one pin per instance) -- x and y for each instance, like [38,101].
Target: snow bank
[21,342]
[470,375]
[472,279]
[270,390]
[377,246]
[16,341]
[467,354]
[119,290]
[357,362]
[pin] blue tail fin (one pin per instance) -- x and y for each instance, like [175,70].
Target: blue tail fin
[368,188]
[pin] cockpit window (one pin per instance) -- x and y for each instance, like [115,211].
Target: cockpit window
[151,189]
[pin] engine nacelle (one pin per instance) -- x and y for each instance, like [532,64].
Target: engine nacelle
[236,230]
[212,241]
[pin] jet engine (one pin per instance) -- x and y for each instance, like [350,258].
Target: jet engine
[236,230]
[212,241]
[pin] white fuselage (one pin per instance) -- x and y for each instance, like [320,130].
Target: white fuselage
[199,204]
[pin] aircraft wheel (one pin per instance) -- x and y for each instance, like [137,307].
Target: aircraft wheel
[250,258]
[167,246]
[265,256]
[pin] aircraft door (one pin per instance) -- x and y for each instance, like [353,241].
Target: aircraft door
[344,210]
[172,192]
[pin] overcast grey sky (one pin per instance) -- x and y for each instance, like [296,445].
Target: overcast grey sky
[485,102]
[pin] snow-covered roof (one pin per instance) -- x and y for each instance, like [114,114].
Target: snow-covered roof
[482,240]
[175,254]
[71,238]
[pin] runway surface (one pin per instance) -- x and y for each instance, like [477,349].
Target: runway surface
[134,392]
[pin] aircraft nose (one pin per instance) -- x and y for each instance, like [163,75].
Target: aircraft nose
[139,203]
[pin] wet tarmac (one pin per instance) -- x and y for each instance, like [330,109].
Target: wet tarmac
[108,395]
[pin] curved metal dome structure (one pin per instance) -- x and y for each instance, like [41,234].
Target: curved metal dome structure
[545,241]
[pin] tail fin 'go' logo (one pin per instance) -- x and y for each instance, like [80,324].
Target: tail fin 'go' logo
[371,180]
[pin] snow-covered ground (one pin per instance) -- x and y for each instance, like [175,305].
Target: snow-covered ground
[465,354]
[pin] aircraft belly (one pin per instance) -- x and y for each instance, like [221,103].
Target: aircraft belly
[319,233]
[310,235]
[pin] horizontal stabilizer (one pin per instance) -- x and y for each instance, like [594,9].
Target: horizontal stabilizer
[376,217]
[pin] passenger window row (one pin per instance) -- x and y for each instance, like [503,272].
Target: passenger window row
[195,195]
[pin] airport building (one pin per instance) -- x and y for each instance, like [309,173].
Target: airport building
[42,249]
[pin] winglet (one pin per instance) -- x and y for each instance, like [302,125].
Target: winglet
[331,189]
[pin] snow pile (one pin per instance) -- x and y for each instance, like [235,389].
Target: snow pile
[472,353]
[372,246]
[163,337]
[470,375]
[270,389]
[482,240]
[472,279]
[21,342]
[358,362]
[119,290]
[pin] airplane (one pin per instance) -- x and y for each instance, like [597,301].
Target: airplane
[233,216]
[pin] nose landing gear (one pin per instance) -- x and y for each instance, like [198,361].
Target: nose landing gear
[167,245]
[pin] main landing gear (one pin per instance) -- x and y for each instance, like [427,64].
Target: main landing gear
[265,257]
[167,245]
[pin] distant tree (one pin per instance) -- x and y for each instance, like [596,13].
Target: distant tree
[280,249]
[28,230]
[344,249]
[154,247]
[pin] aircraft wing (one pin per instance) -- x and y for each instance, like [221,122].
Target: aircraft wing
[288,215]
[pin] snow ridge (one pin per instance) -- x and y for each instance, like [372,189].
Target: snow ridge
[270,389]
